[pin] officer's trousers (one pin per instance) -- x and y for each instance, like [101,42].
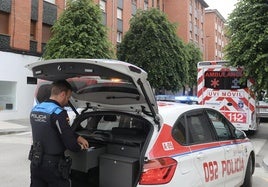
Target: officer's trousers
[47,175]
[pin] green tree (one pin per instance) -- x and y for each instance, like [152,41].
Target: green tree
[79,33]
[248,40]
[152,44]
[194,56]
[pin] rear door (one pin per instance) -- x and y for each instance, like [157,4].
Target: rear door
[220,87]
[205,149]
[233,163]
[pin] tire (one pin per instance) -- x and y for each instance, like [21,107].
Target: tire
[248,175]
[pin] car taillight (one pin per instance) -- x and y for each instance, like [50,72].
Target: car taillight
[158,171]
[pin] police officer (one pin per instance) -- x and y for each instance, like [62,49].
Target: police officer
[52,135]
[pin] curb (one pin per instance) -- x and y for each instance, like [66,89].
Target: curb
[13,131]
[14,126]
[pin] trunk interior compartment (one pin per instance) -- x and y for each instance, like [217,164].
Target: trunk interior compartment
[118,142]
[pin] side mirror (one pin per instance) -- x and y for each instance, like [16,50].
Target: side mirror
[240,134]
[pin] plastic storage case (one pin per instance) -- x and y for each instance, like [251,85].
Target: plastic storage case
[85,160]
[117,171]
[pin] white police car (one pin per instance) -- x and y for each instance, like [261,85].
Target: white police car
[137,142]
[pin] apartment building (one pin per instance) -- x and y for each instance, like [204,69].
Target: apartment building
[189,15]
[214,35]
[117,14]
[25,29]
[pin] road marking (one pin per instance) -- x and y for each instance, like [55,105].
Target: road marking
[24,133]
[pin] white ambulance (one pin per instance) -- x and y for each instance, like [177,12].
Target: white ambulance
[221,87]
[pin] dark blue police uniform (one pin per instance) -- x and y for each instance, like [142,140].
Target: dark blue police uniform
[50,127]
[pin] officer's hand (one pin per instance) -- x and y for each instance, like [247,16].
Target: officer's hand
[82,142]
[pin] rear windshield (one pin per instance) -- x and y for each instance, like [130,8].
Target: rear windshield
[101,84]
[224,80]
[88,84]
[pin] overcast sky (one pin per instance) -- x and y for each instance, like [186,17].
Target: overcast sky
[225,7]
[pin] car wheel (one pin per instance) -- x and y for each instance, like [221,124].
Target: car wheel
[248,175]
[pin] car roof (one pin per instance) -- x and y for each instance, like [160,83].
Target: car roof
[170,111]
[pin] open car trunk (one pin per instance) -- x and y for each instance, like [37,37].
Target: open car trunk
[116,100]
[118,142]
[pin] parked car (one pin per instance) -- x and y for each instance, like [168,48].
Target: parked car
[136,141]
[165,98]
[262,108]
[186,99]
[178,99]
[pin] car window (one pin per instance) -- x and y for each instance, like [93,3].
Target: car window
[220,124]
[199,129]
[193,128]
[178,132]
[108,122]
[89,84]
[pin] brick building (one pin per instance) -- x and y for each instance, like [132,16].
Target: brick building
[24,30]
[215,36]
[117,14]
[25,27]
[187,14]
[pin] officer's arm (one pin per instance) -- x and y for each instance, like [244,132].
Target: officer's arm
[68,137]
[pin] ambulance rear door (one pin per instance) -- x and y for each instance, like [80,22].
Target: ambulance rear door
[221,87]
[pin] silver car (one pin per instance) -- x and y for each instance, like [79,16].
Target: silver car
[262,108]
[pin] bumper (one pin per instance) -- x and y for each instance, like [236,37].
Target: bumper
[263,115]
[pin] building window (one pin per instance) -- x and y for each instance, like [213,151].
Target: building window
[46,33]
[146,5]
[134,2]
[103,5]
[7,95]
[33,30]
[4,22]
[158,4]
[50,1]
[191,35]
[119,13]
[119,37]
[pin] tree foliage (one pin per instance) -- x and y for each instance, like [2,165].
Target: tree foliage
[79,33]
[152,44]
[248,40]
[194,56]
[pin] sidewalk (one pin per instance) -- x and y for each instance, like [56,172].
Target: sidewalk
[14,126]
